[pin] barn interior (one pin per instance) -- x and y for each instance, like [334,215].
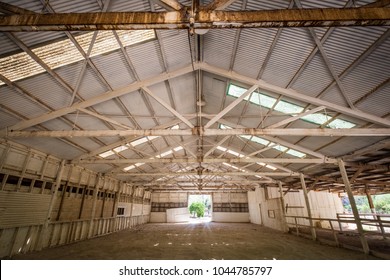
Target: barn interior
[114,114]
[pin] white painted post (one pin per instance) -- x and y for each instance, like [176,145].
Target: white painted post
[95,195]
[355,211]
[283,216]
[51,205]
[312,229]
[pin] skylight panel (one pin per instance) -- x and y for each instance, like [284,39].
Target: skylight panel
[133,166]
[288,108]
[129,168]
[166,153]
[178,148]
[259,140]
[317,118]
[263,100]
[106,154]
[139,141]
[221,148]
[295,153]
[121,148]
[338,123]
[64,52]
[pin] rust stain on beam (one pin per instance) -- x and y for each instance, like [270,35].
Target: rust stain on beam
[204,19]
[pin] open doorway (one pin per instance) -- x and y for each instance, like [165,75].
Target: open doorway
[200,207]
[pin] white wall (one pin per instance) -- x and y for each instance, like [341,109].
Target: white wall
[178,215]
[158,217]
[262,207]
[230,217]
[267,212]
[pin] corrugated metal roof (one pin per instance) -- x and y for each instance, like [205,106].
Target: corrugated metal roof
[377,103]
[146,59]
[91,85]
[368,74]
[312,4]
[114,68]
[184,93]
[47,89]
[20,103]
[291,50]
[176,48]
[315,78]
[125,5]
[252,49]
[7,45]
[78,6]
[346,44]
[6,119]
[266,5]
[218,47]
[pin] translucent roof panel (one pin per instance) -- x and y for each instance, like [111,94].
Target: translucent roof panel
[64,52]
[266,101]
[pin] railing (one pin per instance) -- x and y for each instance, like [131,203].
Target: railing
[373,224]
[26,239]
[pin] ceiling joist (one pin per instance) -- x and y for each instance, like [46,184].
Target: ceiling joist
[197,131]
[203,19]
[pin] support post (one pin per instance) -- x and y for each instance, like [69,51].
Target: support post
[355,211]
[95,196]
[373,211]
[51,205]
[283,216]
[312,229]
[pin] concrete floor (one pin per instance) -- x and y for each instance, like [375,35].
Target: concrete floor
[196,241]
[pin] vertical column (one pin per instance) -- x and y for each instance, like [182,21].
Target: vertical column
[95,196]
[283,214]
[54,190]
[312,229]
[373,211]
[24,168]
[64,190]
[84,195]
[355,211]
[4,156]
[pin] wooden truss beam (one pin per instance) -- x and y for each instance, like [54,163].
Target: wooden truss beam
[205,160]
[203,19]
[200,131]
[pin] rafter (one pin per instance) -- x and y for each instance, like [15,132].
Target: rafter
[363,132]
[179,174]
[205,160]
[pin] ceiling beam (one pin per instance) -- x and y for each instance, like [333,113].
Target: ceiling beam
[363,132]
[102,98]
[267,87]
[204,19]
[205,160]
[179,174]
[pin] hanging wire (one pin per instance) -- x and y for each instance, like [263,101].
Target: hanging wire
[75,120]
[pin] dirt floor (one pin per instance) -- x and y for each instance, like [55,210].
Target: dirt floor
[238,241]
